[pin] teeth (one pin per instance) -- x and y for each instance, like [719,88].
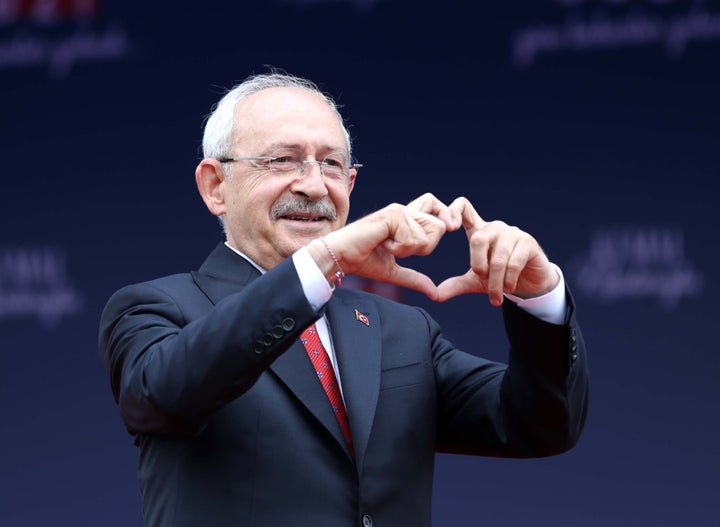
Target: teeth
[302,219]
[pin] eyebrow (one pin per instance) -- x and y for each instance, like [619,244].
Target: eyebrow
[298,146]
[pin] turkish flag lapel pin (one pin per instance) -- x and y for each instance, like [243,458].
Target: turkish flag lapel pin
[362,318]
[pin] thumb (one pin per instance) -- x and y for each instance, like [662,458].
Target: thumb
[412,279]
[458,285]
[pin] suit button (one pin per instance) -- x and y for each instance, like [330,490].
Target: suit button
[367,520]
[288,324]
[573,346]
[259,347]
[268,339]
[278,332]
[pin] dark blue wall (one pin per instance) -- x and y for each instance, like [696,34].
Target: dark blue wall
[591,124]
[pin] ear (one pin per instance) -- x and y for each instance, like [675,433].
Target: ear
[351,180]
[210,178]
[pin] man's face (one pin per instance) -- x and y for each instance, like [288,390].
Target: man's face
[269,214]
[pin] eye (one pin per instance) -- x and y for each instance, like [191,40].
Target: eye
[264,163]
[335,160]
[285,161]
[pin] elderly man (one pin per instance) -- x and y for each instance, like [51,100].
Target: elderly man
[261,392]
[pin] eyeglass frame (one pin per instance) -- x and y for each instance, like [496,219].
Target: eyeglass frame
[302,171]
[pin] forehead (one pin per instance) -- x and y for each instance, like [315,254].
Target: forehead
[289,116]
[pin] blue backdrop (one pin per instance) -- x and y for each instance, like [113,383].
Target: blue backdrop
[592,124]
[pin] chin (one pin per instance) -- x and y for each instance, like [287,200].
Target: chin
[308,230]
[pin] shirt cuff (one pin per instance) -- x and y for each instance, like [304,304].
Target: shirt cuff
[314,284]
[550,307]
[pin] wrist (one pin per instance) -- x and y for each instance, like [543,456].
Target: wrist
[327,261]
[551,283]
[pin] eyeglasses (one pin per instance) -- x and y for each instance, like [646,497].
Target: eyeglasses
[333,166]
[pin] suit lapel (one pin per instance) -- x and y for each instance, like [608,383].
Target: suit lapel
[297,372]
[225,272]
[358,352]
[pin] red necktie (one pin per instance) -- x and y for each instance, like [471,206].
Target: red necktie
[323,367]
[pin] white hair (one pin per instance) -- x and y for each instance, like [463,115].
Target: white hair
[219,132]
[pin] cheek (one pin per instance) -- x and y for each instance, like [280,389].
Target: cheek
[340,196]
[254,195]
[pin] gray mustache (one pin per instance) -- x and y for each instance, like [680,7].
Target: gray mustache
[303,206]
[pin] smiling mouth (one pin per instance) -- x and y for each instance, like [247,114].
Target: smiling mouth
[304,218]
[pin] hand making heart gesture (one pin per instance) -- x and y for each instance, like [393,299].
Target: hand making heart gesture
[503,258]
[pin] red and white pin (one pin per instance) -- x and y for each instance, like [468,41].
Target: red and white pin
[362,318]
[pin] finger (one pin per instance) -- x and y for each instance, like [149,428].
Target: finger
[480,250]
[501,249]
[460,285]
[431,230]
[463,211]
[517,262]
[429,204]
[413,233]
[412,279]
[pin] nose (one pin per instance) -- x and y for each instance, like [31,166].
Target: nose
[310,181]
[308,162]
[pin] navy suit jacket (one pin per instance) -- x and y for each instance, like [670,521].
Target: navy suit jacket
[234,428]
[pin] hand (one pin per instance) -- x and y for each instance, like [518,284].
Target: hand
[428,203]
[369,246]
[503,259]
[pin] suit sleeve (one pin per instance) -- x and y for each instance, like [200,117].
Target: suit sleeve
[171,370]
[534,406]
